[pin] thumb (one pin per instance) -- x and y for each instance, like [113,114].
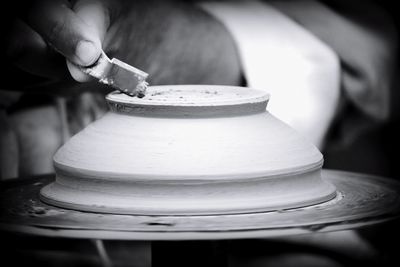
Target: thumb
[65,31]
[96,15]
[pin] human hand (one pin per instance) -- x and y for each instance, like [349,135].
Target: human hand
[52,29]
[175,43]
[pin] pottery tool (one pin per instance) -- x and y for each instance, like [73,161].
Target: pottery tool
[121,76]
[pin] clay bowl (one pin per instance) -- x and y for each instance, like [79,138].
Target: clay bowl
[188,150]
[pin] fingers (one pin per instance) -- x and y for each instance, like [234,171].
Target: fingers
[77,74]
[65,31]
[53,27]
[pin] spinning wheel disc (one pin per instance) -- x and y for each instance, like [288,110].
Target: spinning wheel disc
[361,200]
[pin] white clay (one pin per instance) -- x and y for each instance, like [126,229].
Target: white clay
[184,150]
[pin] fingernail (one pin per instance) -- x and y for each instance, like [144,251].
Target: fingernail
[87,53]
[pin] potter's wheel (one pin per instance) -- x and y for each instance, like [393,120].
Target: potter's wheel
[361,200]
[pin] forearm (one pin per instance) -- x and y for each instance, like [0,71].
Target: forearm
[176,43]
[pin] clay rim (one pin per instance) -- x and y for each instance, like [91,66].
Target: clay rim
[192,96]
[191,101]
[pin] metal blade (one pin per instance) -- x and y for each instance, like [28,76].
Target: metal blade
[119,75]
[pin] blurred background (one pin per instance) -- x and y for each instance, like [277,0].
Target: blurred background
[38,114]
